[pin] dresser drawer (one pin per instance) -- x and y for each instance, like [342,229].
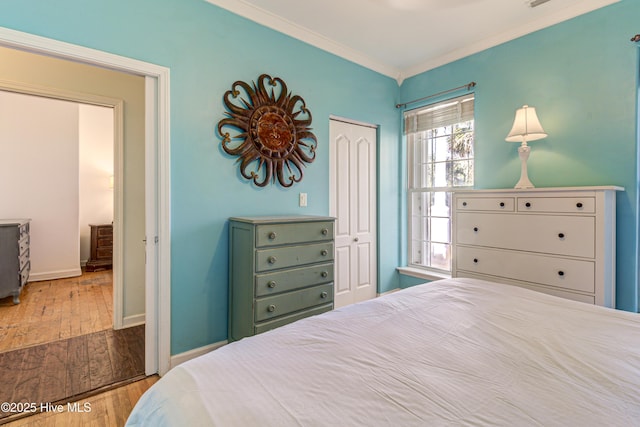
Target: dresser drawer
[289,256]
[105,231]
[563,273]
[24,259]
[559,235]
[557,204]
[103,242]
[287,280]
[23,231]
[496,204]
[284,234]
[281,321]
[24,274]
[23,245]
[281,304]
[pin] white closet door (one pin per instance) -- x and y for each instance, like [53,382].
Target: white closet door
[353,203]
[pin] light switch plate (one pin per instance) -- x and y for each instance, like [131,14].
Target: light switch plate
[303,199]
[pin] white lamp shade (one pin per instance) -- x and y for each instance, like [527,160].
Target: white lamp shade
[526,126]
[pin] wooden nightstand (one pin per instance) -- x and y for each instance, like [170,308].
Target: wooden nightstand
[101,247]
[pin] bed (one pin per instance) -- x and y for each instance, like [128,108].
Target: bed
[449,352]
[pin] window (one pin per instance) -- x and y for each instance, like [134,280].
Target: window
[439,159]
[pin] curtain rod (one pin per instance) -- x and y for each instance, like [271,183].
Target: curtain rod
[467,86]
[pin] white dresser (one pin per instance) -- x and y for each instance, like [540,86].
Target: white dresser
[560,241]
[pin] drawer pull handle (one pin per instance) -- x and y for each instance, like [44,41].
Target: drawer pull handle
[271,284]
[579,205]
[324,252]
[561,235]
[356,239]
[502,204]
[475,260]
[324,274]
[475,229]
[560,273]
[323,295]
[271,308]
[464,203]
[272,260]
[272,235]
[528,204]
[325,231]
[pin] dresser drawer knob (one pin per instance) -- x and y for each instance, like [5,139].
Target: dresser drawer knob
[528,204]
[323,295]
[271,308]
[475,260]
[272,260]
[272,235]
[560,273]
[271,284]
[579,205]
[561,235]
[324,252]
[464,203]
[325,231]
[502,204]
[324,274]
[475,229]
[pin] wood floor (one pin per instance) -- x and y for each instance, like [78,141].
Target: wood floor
[108,409]
[58,344]
[57,309]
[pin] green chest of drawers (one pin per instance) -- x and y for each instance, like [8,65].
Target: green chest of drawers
[280,270]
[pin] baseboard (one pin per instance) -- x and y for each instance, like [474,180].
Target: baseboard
[134,320]
[192,354]
[52,275]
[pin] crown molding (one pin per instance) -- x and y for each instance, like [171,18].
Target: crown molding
[275,22]
[576,10]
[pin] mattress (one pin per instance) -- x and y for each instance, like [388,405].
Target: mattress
[449,352]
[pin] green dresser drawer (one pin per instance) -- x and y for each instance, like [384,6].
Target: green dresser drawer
[279,305]
[284,234]
[281,321]
[283,281]
[289,256]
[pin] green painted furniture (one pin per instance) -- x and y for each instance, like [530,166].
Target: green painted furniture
[14,257]
[280,270]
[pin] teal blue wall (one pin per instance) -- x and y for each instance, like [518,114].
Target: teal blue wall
[207,49]
[582,77]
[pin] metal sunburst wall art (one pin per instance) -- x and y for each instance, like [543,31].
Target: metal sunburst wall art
[274,140]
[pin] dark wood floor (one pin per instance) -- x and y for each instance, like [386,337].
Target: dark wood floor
[64,369]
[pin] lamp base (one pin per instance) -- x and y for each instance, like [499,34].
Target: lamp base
[523,152]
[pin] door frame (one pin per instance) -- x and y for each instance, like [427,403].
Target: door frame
[157,185]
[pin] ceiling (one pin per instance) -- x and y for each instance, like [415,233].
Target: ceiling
[402,38]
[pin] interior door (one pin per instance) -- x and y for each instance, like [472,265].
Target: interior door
[353,204]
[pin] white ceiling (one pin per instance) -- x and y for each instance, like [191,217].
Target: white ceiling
[402,38]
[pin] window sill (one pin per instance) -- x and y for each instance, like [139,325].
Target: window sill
[423,274]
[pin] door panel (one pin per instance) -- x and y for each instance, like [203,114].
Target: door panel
[353,203]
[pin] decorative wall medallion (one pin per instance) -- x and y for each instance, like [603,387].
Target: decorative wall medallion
[274,139]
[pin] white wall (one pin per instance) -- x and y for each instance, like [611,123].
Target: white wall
[56,158]
[96,166]
[39,178]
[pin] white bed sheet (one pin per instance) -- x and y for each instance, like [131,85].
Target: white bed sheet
[451,352]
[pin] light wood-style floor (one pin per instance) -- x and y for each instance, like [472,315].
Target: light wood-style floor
[109,409]
[57,309]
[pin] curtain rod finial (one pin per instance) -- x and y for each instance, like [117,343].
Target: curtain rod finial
[636,38]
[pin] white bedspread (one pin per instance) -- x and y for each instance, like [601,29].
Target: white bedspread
[451,352]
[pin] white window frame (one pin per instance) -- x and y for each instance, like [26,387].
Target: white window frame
[419,123]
